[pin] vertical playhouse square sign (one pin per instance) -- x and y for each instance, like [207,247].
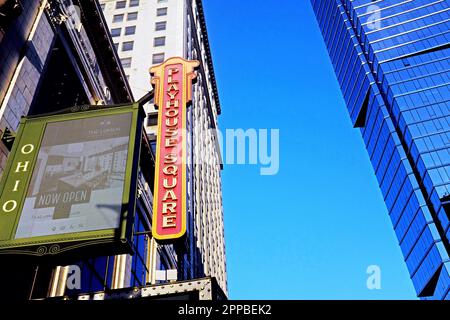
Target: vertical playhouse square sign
[172,81]
[69,183]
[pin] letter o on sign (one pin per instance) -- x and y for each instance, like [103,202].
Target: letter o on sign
[27,149]
[9,206]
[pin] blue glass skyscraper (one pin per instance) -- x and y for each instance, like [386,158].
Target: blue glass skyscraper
[392,61]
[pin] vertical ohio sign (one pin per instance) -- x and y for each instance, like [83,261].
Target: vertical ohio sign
[172,82]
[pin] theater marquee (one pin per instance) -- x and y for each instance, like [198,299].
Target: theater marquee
[172,83]
[70,182]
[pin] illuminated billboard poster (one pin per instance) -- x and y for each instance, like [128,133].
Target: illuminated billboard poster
[172,81]
[70,177]
[77,182]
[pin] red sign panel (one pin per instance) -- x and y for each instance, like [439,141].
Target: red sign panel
[172,83]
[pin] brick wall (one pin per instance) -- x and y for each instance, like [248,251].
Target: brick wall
[34,55]
[13,42]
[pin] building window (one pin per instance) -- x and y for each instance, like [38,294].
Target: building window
[127,46]
[132,16]
[406,62]
[121,4]
[162,1]
[126,62]
[153,146]
[160,41]
[116,45]
[158,58]
[102,6]
[134,3]
[160,25]
[118,18]
[161,12]
[152,120]
[115,32]
[130,30]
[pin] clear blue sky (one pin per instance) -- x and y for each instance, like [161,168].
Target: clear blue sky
[310,231]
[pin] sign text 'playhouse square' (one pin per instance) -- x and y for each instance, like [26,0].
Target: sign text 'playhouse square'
[172,82]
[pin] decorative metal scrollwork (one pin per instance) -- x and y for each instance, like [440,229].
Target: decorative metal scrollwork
[42,250]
